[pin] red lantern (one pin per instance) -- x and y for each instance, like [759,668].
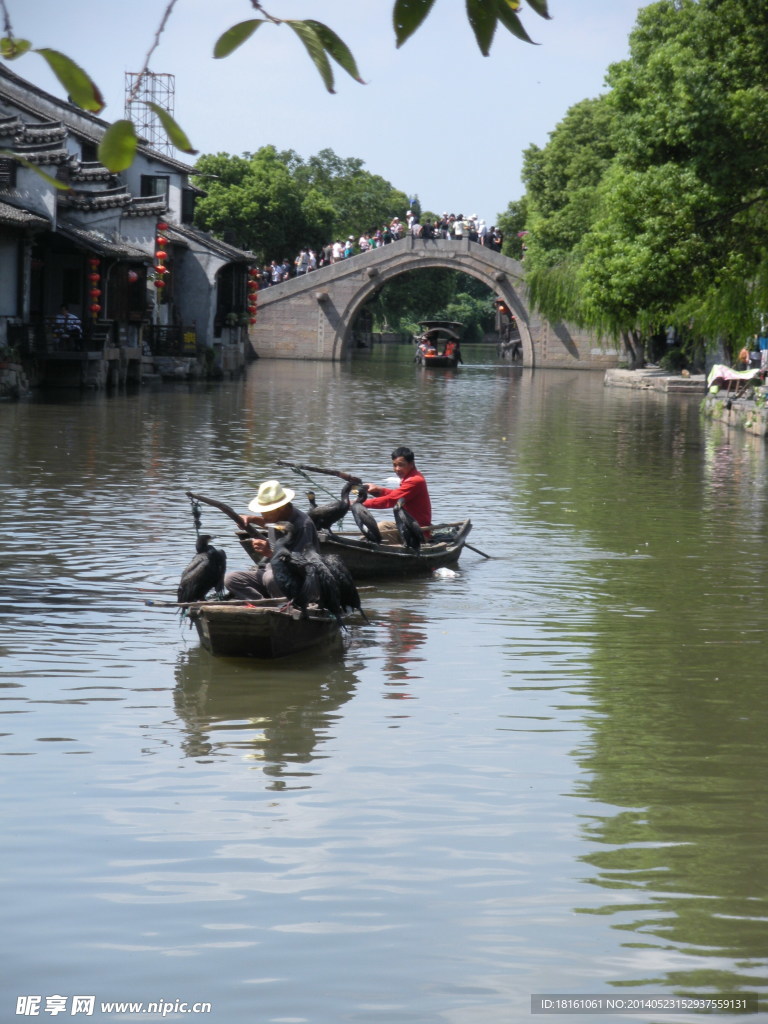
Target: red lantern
[252,320]
[162,226]
[94,262]
[159,283]
[95,308]
[95,293]
[161,239]
[133,277]
[161,270]
[94,277]
[161,254]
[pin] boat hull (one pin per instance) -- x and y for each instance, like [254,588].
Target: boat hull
[261,631]
[367,560]
[438,362]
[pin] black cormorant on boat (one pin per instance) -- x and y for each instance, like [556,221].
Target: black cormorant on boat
[325,585]
[305,579]
[410,532]
[366,521]
[204,573]
[290,572]
[324,516]
[348,594]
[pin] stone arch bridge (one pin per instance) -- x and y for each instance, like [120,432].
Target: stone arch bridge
[311,317]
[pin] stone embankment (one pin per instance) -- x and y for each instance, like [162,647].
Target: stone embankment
[651,378]
[747,411]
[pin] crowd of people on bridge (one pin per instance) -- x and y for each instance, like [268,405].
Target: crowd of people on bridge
[449,226]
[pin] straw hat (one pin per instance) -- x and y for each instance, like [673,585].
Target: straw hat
[271,495]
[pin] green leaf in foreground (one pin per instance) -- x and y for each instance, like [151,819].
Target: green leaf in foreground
[316,50]
[482,18]
[81,89]
[176,135]
[234,37]
[540,6]
[408,16]
[118,147]
[337,49]
[510,21]
[11,48]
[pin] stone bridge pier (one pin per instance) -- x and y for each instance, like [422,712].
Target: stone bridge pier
[311,317]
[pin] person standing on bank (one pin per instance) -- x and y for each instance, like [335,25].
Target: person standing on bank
[67,326]
[273,504]
[413,489]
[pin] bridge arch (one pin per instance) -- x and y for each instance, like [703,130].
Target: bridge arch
[311,317]
[442,254]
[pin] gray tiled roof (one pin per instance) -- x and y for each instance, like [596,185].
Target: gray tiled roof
[13,216]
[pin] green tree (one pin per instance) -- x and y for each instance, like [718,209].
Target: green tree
[274,203]
[561,202]
[254,202]
[512,224]
[360,200]
[691,105]
[648,205]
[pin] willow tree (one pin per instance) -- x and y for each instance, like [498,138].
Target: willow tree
[692,108]
[562,179]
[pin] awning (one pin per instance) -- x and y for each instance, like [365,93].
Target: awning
[92,241]
[193,237]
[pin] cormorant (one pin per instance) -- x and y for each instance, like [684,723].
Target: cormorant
[290,572]
[205,572]
[410,532]
[366,522]
[305,578]
[327,588]
[348,595]
[324,516]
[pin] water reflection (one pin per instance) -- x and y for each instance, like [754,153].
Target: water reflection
[674,772]
[585,726]
[404,636]
[277,717]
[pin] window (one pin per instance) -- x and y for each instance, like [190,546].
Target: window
[188,198]
[155,185]
[8,173]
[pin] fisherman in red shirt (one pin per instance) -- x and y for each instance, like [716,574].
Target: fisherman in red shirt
[412,489]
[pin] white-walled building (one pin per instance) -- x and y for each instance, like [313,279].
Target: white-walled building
[93,245]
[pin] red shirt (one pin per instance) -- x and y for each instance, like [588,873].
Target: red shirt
[413,491]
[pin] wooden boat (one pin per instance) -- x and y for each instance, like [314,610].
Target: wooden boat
[438,344]
[261,630]
[366,560]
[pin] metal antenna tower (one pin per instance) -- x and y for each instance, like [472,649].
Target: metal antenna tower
[142,88]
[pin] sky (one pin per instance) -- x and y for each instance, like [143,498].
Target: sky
[435,118]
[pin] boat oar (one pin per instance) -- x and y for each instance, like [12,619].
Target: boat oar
[196,604]
[477,550]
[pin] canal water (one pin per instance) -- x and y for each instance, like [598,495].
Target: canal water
[545,775]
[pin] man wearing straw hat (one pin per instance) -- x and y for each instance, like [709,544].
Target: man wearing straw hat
[271,505]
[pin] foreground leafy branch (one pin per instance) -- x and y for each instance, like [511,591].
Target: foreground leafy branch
[323,45]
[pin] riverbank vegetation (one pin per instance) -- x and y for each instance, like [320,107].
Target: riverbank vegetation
[648,207]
